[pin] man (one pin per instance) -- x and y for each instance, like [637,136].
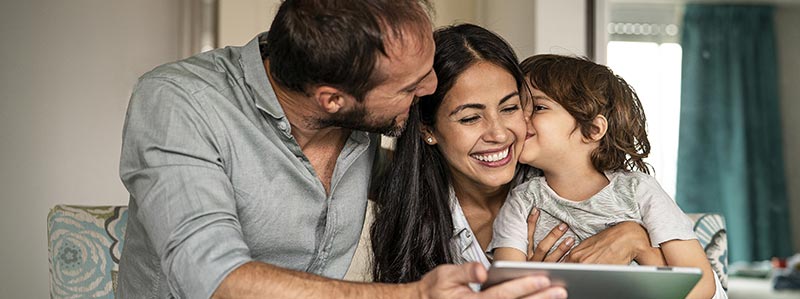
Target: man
[248,167]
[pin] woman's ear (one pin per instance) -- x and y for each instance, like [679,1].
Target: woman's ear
[330,99]
[600,124]
[427,135]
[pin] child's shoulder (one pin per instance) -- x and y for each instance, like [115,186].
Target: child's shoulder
[531,183]
[636,177]
[635,183]
[630,182]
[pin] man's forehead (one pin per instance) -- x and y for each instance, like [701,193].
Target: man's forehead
[409,42]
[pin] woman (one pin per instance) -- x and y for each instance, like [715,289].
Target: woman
[455,163]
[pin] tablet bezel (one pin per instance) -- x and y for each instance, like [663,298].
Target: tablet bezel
[603,281]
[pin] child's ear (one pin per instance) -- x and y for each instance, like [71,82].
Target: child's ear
[600,127]
[331,99]
[427,135]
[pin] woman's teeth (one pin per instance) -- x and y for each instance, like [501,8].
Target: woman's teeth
[492,157]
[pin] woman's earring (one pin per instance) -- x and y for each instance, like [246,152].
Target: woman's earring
[429,140]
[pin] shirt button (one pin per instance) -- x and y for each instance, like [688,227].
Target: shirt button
[469,235]
[283,126]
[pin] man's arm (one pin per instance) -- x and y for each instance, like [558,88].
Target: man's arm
[260,280]
[172,167]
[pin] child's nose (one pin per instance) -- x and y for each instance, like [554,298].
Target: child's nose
[529,125]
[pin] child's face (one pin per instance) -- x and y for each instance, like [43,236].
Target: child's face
[554,139]
[480,126]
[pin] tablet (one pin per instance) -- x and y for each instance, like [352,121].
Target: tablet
[603,281]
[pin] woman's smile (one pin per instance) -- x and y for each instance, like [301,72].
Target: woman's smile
[494,158]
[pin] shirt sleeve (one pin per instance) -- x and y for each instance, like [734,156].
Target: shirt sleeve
[172,167]
[510,228]
[661,216]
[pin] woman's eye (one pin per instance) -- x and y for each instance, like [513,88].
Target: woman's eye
[539,108]
[469,120]
[511,108]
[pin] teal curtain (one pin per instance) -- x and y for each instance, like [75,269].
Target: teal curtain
[730,156]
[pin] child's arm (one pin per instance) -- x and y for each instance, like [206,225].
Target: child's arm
[509,254]
[689,253]
[669,227]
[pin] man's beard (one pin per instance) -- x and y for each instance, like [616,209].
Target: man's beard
[357,119]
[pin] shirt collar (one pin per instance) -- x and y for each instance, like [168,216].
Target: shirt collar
[460,225]
[256,77]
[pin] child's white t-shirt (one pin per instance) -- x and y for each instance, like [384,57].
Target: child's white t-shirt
[629,196]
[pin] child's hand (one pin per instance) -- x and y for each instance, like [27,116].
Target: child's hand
[539,254]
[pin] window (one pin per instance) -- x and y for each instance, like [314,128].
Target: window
[643,48]
[654,71]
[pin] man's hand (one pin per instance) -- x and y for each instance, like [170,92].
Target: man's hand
[619,244]
[452,281]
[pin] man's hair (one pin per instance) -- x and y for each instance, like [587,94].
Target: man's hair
[338,42]
[586,89]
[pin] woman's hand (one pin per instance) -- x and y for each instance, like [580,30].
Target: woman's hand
[619,244]
[539,254]
[452,281]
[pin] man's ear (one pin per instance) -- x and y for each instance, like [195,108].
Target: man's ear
[427,135]
[330,99]
[600,127]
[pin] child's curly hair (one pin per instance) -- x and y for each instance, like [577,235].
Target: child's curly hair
[586,89]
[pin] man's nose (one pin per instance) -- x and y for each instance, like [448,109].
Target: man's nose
[428,86]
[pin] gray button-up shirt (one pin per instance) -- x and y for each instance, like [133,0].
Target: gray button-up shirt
[217,180]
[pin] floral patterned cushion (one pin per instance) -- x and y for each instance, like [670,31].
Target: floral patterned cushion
[710,230]
[84,245]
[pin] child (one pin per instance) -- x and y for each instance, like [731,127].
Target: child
[587,136]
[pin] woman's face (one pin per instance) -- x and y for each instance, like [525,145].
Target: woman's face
[480,126]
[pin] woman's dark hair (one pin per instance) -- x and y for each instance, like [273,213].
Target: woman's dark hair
[338,42]
[586,89]
[413,222]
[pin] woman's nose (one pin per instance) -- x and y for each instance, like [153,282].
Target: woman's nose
[496,132]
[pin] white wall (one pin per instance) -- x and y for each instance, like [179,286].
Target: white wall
[787,20]
[449,12]
[560,27]
[530,26]
[66,72]
[516,21]
[241,20]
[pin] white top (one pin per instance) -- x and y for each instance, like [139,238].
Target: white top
[629,196]
[464,242]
